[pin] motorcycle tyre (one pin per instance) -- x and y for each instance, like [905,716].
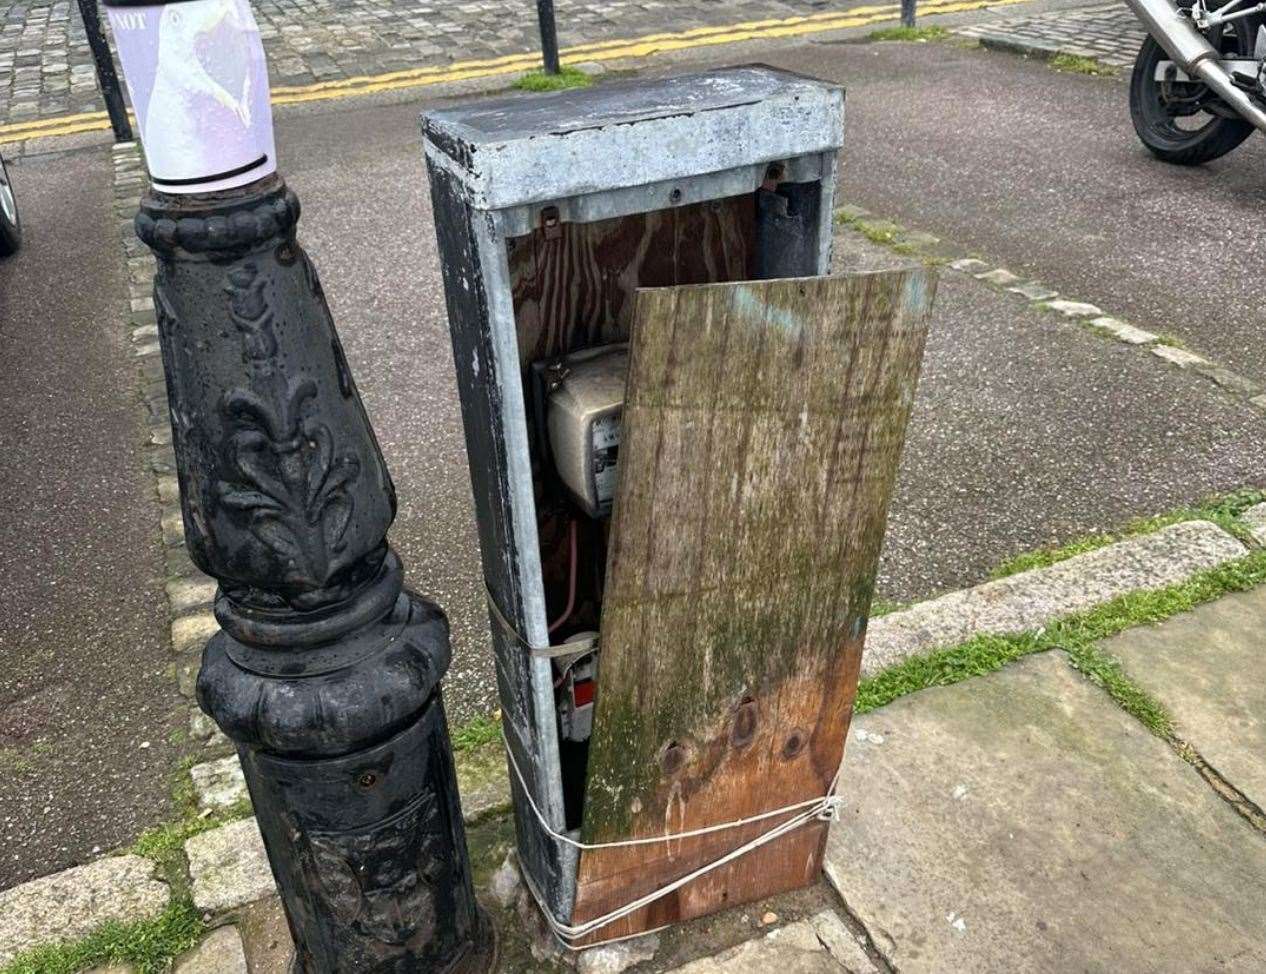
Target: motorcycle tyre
[1204,145]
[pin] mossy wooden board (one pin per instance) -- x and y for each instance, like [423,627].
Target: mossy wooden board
[761,433]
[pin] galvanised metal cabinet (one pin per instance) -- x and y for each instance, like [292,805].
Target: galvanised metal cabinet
[551,211]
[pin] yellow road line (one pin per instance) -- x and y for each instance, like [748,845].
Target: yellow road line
[639,47]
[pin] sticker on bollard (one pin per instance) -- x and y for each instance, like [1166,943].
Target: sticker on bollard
[198,82]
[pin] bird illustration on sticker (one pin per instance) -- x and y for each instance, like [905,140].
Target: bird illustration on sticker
[199,85]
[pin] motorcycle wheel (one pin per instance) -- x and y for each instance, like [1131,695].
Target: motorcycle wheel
[1184,122]
[10,222]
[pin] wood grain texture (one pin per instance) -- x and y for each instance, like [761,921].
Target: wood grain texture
[761,434]
[575,290]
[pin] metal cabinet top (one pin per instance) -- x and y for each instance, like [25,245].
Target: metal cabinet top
[514,151]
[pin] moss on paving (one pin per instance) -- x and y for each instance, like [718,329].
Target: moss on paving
[539,80]
[883,607]
[148,945]
[1076,64]
[882,232]
[1223,510]
[476,733]
[169,839]
[908,34]
[165,843]
[1078,635]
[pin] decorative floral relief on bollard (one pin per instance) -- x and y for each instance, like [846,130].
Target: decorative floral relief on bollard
[326,675]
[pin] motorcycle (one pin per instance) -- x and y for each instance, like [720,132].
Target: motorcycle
[1198,88]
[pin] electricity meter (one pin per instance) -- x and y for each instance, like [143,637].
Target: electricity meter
[583,418]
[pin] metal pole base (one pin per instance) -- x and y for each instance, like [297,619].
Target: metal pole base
[480,956]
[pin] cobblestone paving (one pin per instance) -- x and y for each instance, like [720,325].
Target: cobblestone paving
[1108,33]
[46,67]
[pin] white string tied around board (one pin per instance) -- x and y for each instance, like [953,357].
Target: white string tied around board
[825,808]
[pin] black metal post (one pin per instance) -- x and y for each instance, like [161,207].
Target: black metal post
[107,78]
[549,35]
[326,675]
[907,13]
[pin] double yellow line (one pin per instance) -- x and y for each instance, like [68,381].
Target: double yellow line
[639,47]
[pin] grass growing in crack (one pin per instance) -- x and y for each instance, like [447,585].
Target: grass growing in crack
[883,607]
[544,81]
[877,233]
[1076,64]
[1223,510]
[476,733]
[169,838]
[148,945]
[164,844]
[908,34]
[1105,671]
[1078,635]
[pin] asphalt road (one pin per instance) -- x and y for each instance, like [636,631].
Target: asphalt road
[87,709]
[1042,171]
[1026,431]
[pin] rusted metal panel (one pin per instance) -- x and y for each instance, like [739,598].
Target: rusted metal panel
[761,433]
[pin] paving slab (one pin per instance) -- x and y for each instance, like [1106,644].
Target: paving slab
[1041,596]
[1208,667]
[1255,519]
[220,952]
[822,944]
[266,936]
[228,867]
[1021,822]
[219,784]
[69,905]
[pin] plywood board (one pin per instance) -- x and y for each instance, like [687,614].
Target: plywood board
[573,288]
[762,429]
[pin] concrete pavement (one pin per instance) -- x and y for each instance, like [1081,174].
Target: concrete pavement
[1021,822]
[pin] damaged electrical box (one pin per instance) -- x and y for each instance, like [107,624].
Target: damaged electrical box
[636,663]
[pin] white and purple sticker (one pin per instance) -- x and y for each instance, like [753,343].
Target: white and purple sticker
[198,81]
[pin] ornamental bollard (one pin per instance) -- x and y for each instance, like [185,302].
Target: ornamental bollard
[326,675]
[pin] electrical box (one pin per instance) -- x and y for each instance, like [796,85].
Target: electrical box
[553,214]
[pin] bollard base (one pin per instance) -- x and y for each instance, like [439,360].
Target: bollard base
[480,957]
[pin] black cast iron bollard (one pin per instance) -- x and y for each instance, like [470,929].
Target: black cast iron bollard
[907,13]
[549,35]
[107,79]
[326,675]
